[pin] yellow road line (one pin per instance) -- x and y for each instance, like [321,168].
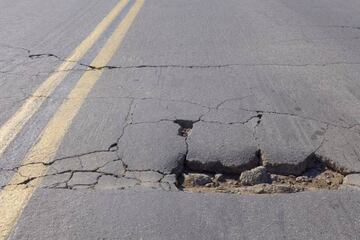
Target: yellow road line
[14,198]
[14,125]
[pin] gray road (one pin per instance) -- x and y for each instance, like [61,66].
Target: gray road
[259,82]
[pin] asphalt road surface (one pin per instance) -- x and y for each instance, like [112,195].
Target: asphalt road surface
[104,105]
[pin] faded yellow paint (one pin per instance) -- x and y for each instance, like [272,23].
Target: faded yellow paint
[14,198]
[14,125]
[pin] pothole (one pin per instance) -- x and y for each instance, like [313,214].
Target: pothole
[185,127]
[259,117]
[259,181]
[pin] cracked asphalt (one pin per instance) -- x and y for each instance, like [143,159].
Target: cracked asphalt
[106,104]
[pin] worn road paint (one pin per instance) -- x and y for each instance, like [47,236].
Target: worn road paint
[13,126]
[14,197]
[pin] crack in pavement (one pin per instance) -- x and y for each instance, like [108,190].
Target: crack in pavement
[118,181]
[90,67]
[253,121]
[127,174]
[144,66]
[256,112]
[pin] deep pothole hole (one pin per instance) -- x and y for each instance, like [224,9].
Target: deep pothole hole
[259,180]
[259,117]
[185,127]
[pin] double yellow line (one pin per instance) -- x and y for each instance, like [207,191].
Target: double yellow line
[14,197]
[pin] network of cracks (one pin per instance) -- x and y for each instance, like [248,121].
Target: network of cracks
[105,170]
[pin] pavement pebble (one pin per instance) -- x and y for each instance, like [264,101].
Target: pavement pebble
[255,176]
[197,179]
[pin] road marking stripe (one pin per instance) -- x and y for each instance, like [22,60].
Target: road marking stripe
[13,126]
[14,198]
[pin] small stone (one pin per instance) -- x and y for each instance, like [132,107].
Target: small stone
[232,182]
[255,176]
[260,188]
[271,189]
[302,179]
[286,189]
[219,177]
[198,179]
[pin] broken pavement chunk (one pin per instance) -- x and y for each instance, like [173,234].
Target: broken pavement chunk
[219,177]
[54,180]
[341,150]
[271,189]
[221,148]
[93,161]
[66,164]
[83,178]
[114,167]
[255,176]
[152,146]
[287,143]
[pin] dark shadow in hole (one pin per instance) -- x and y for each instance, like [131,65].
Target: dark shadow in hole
[314,168]
[185,127]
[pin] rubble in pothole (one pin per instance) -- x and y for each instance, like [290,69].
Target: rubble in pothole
[259,181]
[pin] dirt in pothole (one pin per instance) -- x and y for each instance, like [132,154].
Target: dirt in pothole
[312,180]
